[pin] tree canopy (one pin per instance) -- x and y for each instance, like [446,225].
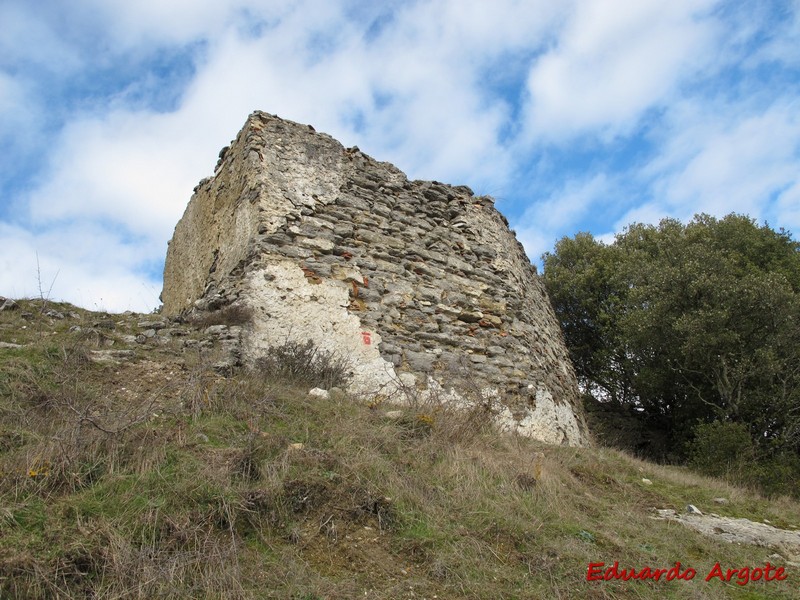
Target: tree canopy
[690,324]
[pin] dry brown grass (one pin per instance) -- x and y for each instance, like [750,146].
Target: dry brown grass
[165,479]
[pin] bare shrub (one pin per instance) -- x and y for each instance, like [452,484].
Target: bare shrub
[199,392]
[459,412]
[304,364]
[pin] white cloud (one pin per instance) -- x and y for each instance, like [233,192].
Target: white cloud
[30,37]
[741,167]
[10,94]
[14,107]
[727,157]
[133,24]
[614,61]
[413,91]
[467,33]
[783,42]
[787,209]
[430,86]
[649,213]
[542,223]
[84,264]
[133,170]
[435,60]
[570,203]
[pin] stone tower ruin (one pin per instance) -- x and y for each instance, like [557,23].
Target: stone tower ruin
[419,284]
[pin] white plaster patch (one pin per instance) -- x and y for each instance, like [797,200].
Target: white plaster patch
[288,307]
[291,308]
[548,421]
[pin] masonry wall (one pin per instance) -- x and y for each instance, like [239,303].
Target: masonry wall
[421,284]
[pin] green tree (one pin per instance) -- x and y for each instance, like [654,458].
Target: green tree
[690,323]
[582,280]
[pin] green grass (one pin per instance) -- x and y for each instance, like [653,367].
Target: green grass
[198,491]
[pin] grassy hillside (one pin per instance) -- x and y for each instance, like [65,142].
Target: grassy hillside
[145,473]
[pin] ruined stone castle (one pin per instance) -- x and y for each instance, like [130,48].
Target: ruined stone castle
[420,284]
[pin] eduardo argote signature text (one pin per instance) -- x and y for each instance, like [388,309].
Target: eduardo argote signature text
[741,576]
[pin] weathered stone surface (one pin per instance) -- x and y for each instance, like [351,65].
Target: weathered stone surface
[470,317]
[7,304]
[401,277]
[216,330]
[738,531]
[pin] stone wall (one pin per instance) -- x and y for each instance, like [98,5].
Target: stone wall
[421,284]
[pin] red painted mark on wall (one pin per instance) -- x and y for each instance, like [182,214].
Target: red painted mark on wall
[367,337]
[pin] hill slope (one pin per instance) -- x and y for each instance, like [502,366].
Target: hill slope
[133,468]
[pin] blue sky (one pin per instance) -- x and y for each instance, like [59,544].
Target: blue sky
[577,115]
